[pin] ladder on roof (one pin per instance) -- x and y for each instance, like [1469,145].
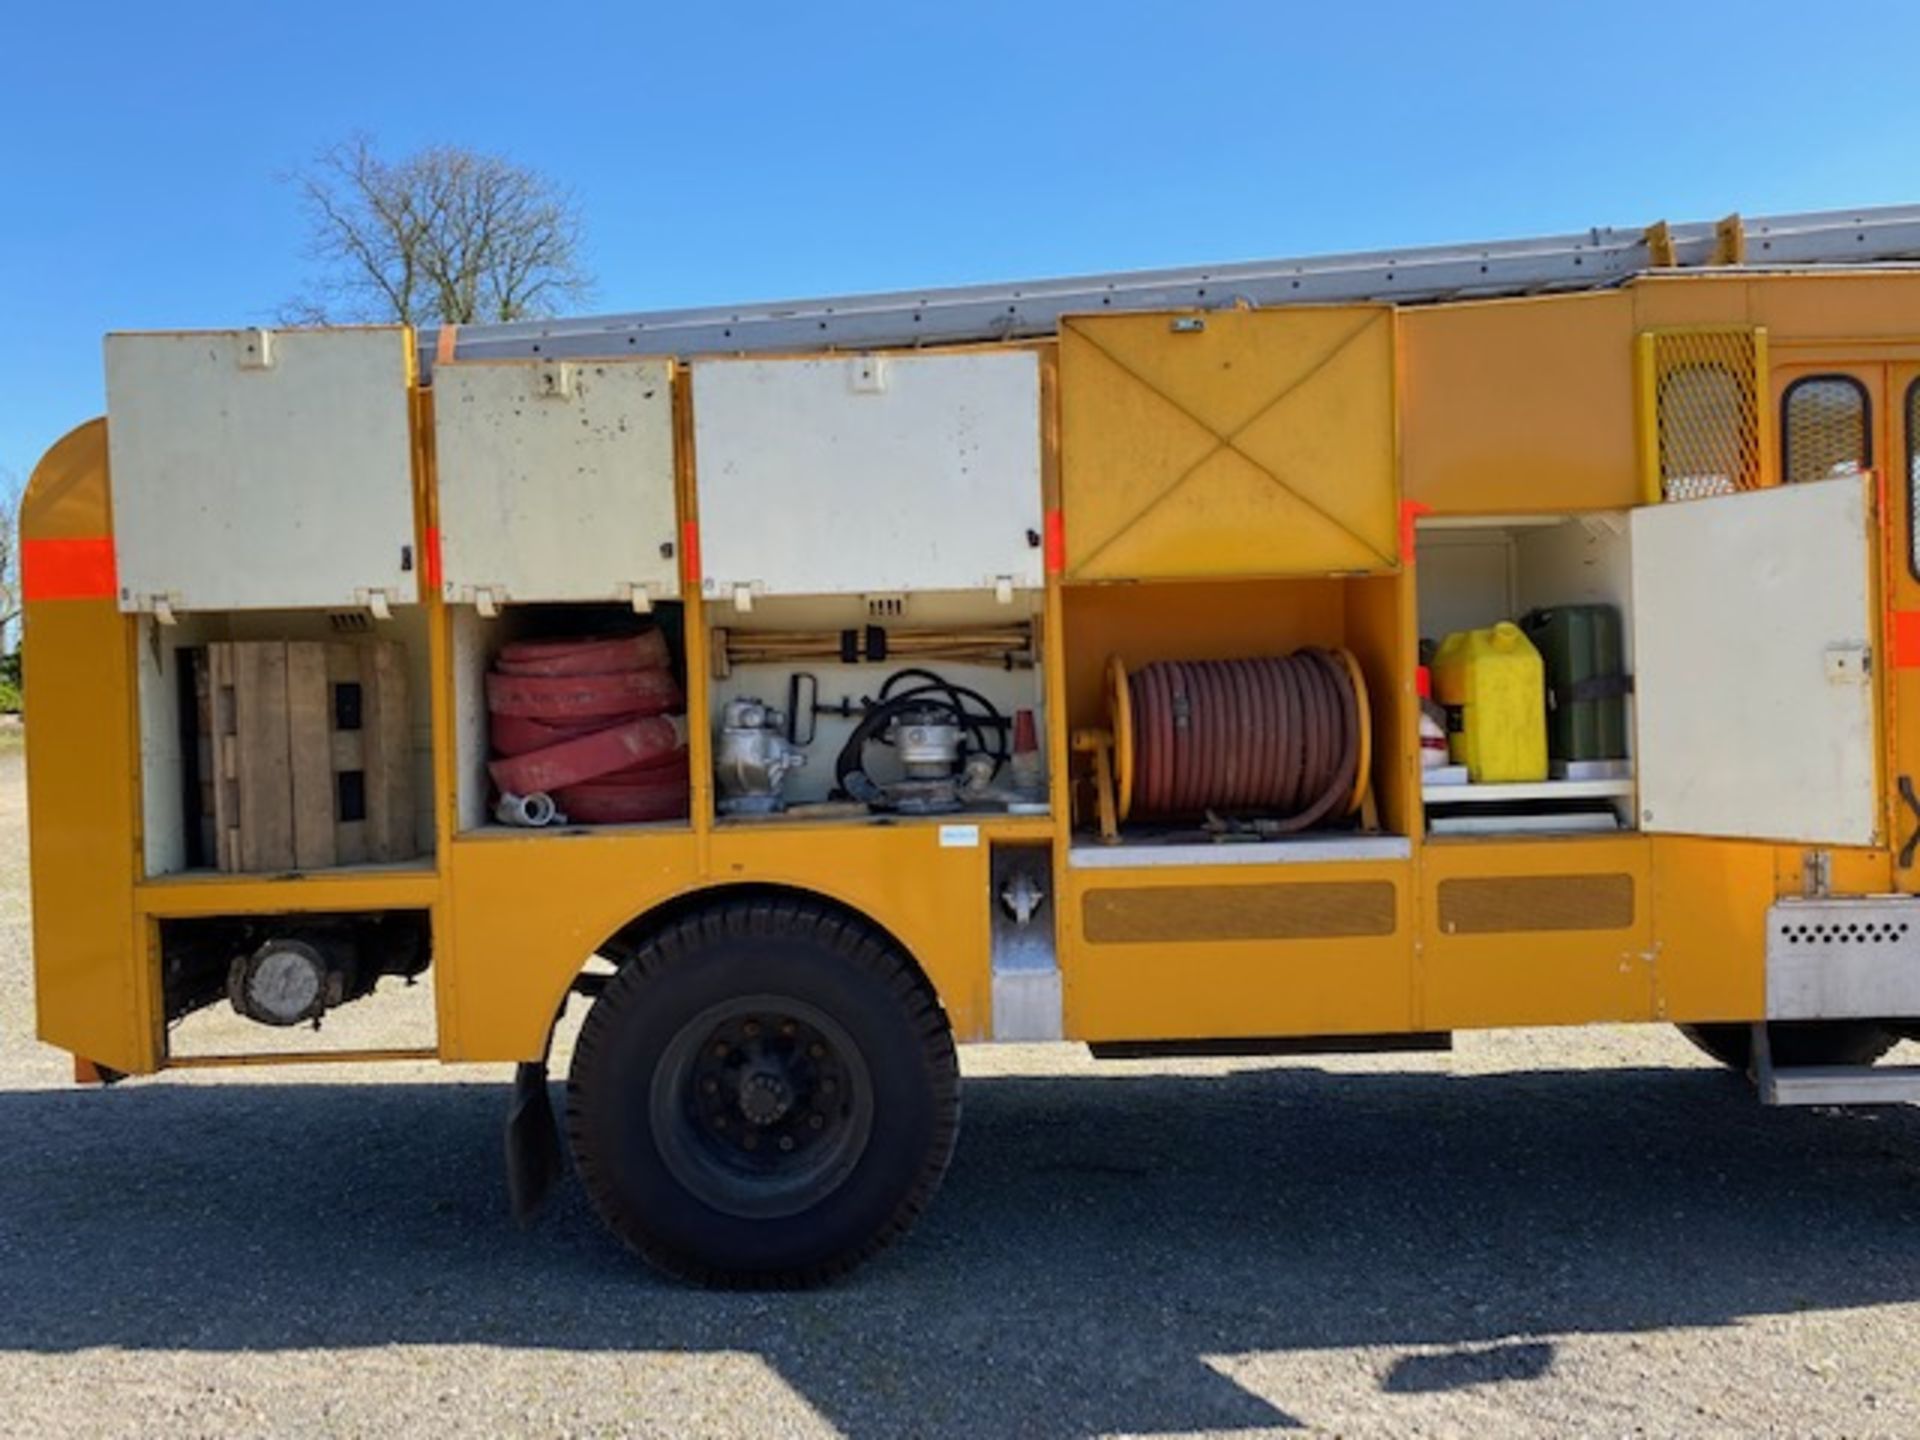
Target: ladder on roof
[1591,260]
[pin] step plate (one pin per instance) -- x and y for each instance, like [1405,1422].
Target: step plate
[1845,1085]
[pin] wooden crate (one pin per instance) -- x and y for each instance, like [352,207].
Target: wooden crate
[311,760]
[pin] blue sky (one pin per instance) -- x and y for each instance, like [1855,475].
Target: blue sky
[735,151]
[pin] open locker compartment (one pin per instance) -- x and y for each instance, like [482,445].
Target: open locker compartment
[274,741]
[630,735]
[795,679]
[311,983]
[1474,572]
[1136,627]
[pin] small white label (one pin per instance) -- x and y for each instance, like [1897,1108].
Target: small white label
[959,837]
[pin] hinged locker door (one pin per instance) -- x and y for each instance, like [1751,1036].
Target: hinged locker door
[869,474]
[1235,442]
[262,469]
[556,481]
[1754,694]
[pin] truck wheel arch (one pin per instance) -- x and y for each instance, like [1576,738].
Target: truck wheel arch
[627,941]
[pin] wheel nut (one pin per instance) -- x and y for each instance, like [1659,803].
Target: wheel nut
[712,1087]
[788,1028]
[750,1029]
[720,1050]
[816,1121]
[817,1050]
[786,1142]
[827,1086]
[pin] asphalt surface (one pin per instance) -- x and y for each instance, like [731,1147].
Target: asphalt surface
[1577,1232]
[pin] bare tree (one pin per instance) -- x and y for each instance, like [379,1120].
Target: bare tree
[11,492]
[444,234]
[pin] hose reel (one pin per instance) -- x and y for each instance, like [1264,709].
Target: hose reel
[1283,742]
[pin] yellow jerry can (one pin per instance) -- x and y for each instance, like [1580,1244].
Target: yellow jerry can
[1494,688]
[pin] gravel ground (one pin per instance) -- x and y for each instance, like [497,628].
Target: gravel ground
[1582,1232]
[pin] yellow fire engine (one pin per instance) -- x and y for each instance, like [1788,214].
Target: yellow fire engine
[1308,655]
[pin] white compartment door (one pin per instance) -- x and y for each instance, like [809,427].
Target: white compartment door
[262,470]
[556,480]
[869,474]
[1753,692]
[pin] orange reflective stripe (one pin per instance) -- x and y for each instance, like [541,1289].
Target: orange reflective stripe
[73,569]
[443,344]
[1056,551]
[690,553]
[1905,639]
[431,560]
[1410,513]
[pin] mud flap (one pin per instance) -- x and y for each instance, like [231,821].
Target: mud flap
[533,1143]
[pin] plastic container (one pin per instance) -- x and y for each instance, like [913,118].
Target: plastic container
[1493,685]
[1587,685]
[1433,723]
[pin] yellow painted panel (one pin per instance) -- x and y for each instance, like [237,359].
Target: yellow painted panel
[1174,990]
[1229,443]
[1667,301]
[1527,975]
[1710,900]
[1515,406]
[1850,305]
[527,912]
[94,986]
[398,887]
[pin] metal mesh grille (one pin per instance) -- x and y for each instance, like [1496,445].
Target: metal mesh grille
[1824,429]
[1706,384]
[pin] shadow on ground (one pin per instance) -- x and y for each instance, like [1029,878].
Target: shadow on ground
[1097,1239]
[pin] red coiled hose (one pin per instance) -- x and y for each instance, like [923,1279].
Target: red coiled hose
[1282,739]
[594,723]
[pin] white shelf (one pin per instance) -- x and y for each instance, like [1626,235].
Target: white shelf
[1133,853]
[1573,823]
[1538,790]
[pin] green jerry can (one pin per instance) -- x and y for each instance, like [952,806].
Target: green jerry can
[1587,683]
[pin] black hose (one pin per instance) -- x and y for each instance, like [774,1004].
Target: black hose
[984,724]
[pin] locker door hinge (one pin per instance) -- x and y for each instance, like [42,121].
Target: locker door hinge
[379,602]
[256,350]
[1816,873]
[641,595]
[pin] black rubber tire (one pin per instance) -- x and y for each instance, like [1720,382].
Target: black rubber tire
[1796,1042]
[828,962]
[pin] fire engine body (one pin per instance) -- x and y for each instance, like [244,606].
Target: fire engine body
[1040,516]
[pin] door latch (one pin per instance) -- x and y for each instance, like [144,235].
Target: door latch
[1848,664]
[1912,842]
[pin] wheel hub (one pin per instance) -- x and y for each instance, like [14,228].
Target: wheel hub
[765,1097]
[761,1106]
